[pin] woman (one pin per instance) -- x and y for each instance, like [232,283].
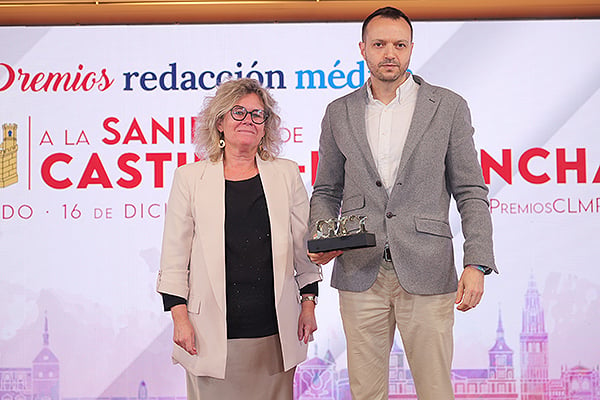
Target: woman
[234,267]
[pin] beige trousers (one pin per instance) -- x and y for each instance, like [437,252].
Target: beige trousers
[254,371]
[425,324]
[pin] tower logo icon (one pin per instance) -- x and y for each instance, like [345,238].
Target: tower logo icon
[8,155]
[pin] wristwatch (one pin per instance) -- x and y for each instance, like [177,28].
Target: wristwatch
[310,297]
[485,270]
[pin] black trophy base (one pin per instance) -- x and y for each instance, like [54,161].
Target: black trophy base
[354,241]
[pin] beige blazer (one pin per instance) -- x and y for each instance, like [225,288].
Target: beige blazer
[193,257]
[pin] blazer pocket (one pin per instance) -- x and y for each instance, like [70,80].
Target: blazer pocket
[433,227]
[179,353]
[194,305]
[353,203]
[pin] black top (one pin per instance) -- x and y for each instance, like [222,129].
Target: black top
[248,263]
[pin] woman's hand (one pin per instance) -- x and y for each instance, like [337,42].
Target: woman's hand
[307,323]
[183,331]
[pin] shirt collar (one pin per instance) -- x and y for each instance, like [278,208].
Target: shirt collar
[401,92]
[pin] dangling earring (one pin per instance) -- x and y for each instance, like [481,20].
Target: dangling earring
[261,149]
[221,141]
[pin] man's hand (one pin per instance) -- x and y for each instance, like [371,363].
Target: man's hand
[183,332]
[325,257]
[470,289]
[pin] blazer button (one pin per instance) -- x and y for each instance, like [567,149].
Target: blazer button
[389,214]
[378,183]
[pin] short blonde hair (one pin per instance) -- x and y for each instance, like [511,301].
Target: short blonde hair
[206,134]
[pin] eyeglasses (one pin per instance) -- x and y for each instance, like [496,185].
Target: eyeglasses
[258,116]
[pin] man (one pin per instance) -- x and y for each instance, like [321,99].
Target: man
[395,151]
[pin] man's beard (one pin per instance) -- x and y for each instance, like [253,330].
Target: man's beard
[388,76]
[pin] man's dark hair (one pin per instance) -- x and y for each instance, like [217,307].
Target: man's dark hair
[386,12]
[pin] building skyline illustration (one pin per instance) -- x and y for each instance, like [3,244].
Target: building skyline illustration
[534,348]
[318,378]
[40,382]
[8,155]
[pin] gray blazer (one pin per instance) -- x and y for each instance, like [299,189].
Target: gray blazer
[439,160]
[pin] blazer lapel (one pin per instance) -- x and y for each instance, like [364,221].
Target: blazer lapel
[276,194]
[210,226]
[427,104]
[356,109]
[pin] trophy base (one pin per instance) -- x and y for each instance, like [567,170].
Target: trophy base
[357,240]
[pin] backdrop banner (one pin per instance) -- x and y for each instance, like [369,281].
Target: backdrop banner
[95,119]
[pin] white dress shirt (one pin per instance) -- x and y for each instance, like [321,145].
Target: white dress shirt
[387,129]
